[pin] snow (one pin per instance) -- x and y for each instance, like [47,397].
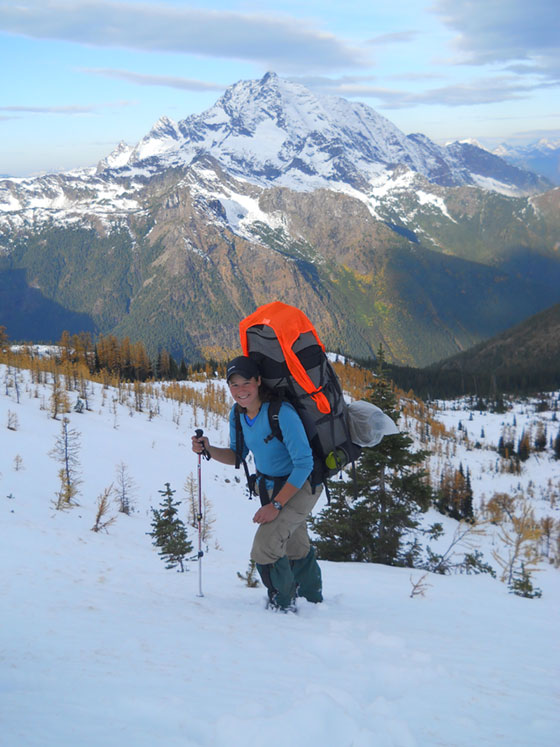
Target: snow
[424,198]
[479,432]
[101,645]
[81,196]
[9,203]
[494,185]
[117,158]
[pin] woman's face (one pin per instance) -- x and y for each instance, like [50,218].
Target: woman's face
[246,392]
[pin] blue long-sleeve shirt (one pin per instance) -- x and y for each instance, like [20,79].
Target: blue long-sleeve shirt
[276,458]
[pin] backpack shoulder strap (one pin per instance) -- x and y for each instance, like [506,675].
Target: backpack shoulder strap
[274,420]
[239,442]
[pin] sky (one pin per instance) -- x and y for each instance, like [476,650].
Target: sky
[79,76]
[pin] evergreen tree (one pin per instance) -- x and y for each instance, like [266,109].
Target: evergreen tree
[524,447]
[163,365]
[506,446]
[467,502]
[169,532]
[556,446]
[369,520]
[540,437]
[522,585]
[455,495]
[3,338]
[502,446]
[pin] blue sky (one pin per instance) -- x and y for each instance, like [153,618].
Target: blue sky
[78,76]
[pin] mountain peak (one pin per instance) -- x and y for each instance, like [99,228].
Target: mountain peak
[268,77]
[275,131]
[118,157]
[164,124]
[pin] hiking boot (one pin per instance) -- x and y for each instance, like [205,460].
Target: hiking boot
[279,581]
[271,604]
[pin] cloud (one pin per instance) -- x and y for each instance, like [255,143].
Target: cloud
[484,91]
[335,86]
[48,109]
[71,110]
[490,90]
[280,42]
[143,79]
[503,31]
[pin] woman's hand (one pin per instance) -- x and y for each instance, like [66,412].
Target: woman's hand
[265,514]
[200,444]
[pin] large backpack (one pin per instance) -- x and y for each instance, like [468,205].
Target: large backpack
[294,366]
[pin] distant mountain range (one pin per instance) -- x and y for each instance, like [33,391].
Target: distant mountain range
[524,358]
[542,157]
[276,193]
[533,344]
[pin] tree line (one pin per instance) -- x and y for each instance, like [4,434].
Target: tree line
[123,359]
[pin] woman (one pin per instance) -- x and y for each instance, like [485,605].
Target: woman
[281,549]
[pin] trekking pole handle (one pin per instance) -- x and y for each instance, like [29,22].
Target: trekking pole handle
[199,433]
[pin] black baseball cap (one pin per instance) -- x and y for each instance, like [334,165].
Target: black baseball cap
[243,366]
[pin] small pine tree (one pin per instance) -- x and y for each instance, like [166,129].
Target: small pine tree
[367,521]
[540,437]
[522,586]
[556,446]
[250,577]
[454,497]
[524,447]
[169,532]
[66,451]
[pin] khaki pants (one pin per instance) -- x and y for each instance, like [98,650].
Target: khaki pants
[287,534]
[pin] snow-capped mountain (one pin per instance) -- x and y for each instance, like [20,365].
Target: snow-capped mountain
[117,158]
[541,156]
[276,132]
[271,133]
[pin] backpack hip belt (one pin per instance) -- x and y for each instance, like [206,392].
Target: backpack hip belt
[263,491]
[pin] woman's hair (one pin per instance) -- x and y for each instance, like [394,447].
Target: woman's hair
[265,394]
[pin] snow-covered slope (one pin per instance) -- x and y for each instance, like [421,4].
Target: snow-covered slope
[76,197]
[101,645]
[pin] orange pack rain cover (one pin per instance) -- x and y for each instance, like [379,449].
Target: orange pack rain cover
[288,324]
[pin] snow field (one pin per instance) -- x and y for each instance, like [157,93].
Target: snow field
[100,645]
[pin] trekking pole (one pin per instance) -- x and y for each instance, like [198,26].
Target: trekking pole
[198,434]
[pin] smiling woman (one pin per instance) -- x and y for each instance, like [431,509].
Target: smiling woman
[281,549]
